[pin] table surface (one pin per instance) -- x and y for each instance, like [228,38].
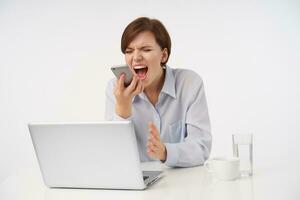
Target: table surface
[178,183]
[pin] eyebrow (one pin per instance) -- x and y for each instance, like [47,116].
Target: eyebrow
[143,47]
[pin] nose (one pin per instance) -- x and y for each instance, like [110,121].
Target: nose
[137,56]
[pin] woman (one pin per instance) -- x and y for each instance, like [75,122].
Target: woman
[167,106]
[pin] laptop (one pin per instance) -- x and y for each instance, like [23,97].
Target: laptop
[90,155]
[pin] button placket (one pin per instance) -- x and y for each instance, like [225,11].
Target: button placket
[156,119]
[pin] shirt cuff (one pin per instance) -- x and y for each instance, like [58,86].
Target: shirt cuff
[172,154]
[118,118]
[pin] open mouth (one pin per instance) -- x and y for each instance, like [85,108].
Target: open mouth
[141,71]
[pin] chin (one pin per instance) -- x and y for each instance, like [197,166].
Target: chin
[145,83]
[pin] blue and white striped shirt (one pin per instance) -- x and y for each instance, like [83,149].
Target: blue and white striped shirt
[180,115]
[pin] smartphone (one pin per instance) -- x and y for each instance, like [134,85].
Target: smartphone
[123,69]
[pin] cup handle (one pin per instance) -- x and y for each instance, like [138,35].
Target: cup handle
[207,165]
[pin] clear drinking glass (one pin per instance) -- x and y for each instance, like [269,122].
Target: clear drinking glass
[243,149]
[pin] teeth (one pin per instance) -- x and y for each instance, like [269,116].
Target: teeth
[140,67]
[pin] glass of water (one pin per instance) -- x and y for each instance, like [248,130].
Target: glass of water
[243,149]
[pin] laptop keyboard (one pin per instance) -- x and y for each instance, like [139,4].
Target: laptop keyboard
[145,177]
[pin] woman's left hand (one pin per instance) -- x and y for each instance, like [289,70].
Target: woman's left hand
[155,147]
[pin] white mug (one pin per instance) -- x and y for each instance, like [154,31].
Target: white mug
[224,168]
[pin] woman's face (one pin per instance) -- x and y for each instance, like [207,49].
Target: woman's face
[144,56]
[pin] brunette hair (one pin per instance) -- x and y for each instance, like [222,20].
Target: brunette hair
[141,24]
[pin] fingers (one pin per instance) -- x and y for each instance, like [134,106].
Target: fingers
[151,153]
[152,148]
[139,88]
[155,148]
[124,94]
[133,84]
[136,86]
[121,81]
[157,151]
[153,138]
[154,141]
[153,131]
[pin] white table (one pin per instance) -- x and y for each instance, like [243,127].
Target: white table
[178,183]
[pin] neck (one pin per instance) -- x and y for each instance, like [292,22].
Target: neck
[157,84]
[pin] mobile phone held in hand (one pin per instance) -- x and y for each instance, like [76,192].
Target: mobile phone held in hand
[118,70]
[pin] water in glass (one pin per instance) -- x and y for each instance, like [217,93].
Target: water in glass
[243,148]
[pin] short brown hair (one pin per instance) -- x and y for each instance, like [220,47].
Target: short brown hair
[141,24]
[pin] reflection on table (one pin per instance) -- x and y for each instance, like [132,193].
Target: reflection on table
[177,183]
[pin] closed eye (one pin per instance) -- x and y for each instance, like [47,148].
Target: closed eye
[128,51]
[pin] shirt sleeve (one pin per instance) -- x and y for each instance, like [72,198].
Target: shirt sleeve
[110,113]
[195,147]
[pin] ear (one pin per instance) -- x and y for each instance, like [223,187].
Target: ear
[165,55]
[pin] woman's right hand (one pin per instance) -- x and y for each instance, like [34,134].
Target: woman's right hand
[124,95]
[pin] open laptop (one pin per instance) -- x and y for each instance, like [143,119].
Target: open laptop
[90,155]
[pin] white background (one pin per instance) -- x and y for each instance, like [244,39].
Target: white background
[55,59]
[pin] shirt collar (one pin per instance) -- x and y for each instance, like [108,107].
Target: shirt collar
[169,84]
